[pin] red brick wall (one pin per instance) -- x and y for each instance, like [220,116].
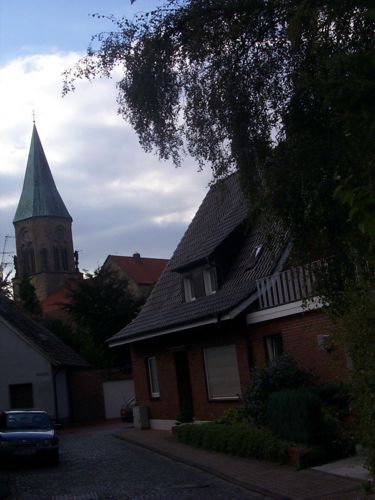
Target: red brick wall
[299,340]
[167,406]
[299,334]
[86,393]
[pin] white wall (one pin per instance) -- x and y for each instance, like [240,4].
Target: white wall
[22,364]
[62,396]
[116,393]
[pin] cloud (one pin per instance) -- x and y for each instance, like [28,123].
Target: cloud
[121,199]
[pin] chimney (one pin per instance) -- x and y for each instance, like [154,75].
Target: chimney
[137,257]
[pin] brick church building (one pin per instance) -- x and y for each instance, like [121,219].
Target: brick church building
[43,227]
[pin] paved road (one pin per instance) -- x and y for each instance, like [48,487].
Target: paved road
[97,464]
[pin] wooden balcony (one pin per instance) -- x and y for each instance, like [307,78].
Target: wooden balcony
[292,285]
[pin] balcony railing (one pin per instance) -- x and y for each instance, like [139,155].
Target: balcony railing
[288,286]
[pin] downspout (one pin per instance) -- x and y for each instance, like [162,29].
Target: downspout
[54,375]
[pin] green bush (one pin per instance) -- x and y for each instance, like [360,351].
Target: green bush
[235,416]
[239,439]
[295,415]
[282,373]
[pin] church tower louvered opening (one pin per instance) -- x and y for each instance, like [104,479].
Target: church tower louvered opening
[43,229]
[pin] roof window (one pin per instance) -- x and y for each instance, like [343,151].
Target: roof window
[255,254]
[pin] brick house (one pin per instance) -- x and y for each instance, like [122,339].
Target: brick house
[141,272]
[226,302]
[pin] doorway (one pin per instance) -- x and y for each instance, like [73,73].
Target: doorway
[185,395]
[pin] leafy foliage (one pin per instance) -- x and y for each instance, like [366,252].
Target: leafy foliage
[236,439]
[355,322]
[5,284]
[296,415]
[100,306]
[27,297]
[280,90]
[81,341]
[282,373]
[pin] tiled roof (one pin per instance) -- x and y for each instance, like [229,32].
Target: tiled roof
[143,270]
[58,299]
[223,211]
[39,197]
[48,344]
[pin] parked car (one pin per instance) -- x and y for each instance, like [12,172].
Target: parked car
[28,433]
[127,410]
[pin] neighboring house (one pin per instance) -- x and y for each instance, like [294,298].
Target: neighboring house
[141,272]
[35,365]
[223,305]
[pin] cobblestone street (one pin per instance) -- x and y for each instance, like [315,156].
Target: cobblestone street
[99,465]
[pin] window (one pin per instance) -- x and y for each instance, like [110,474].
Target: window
[223,381]
[189,290]
[44,259]
[21,396]
[273,346]
[209,278]
[64,259]
[56,258]
[255,254]
[153,377]
[28,259]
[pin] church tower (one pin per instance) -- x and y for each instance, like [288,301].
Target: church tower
[43,229]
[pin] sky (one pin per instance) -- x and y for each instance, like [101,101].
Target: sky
[122,200]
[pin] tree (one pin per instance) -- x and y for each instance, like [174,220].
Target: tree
[5,283]
[280,90]
[100,306]
[27,297]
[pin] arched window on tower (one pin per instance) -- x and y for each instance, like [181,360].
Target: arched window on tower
[28,259]
[64,259]
[56,258]
[43,259]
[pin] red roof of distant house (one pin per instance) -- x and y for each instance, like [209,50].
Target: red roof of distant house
[143,270]
[56,301]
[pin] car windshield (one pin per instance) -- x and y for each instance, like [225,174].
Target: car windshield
[27,420]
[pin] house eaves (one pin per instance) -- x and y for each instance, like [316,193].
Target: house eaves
[160,333]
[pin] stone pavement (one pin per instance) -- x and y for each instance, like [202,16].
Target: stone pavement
[273,481]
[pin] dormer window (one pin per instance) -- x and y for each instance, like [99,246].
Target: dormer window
[189,289]
[209,278]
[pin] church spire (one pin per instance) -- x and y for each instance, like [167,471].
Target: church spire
[40,197]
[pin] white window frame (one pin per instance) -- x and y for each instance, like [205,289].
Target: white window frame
[209,280]
[215,372]
[153,377]
[189,290]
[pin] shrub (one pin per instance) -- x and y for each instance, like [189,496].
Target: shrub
[282,373]
[238,439]
[235,416]
[295,415]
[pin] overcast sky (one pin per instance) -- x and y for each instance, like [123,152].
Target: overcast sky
[122,200]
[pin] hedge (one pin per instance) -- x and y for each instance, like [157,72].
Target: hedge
[242,440]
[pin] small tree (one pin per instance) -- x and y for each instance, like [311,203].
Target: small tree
[100,306]
[27,297]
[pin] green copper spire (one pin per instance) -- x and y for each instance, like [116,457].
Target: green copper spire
[39,197]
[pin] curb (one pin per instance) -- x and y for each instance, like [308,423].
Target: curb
[267,494]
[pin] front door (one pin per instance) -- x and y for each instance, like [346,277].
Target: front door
[184,386]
